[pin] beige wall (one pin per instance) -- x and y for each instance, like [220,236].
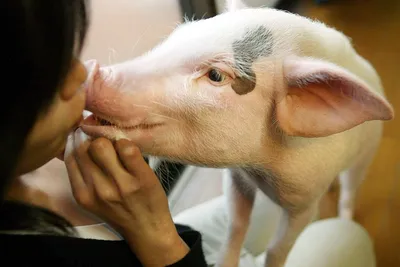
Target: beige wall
[220,4]
[122,29]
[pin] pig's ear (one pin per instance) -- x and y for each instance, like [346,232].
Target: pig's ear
[320,99]
[233,5]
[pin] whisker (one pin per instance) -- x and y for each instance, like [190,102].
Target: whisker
[164,116]
[140,106]
[162,105]
[140,37]
[111,55]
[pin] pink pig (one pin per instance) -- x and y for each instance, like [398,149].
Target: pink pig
[284,103]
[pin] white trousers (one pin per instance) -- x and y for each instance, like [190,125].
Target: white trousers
[325,243]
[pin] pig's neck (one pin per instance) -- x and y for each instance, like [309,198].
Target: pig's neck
[297,158]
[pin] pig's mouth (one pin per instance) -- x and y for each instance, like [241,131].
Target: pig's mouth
[95,125]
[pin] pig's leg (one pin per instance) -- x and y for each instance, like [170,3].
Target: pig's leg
[292,224]
[240,200]
[350,181]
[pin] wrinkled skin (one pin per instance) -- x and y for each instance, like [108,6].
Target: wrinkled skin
[285,103]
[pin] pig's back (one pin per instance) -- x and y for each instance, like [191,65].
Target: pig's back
[301,36]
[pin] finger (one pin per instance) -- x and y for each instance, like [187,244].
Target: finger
[69,147]
[134,162]
[81,192]
[81,139]
[80,146]
[103,187]
[79,188]
[103,153]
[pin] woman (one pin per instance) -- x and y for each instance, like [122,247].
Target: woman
[43,106]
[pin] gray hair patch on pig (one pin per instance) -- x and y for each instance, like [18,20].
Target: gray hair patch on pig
[255,43]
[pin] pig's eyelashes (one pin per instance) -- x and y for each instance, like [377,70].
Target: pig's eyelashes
[217,77]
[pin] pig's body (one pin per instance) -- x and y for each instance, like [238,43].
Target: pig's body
[296,108]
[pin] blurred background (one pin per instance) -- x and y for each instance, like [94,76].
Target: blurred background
[123,29]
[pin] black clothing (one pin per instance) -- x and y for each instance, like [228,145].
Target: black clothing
[45,250]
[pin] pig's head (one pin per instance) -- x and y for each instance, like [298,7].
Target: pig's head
[224,90]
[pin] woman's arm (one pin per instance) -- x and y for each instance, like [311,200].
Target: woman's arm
[195,257]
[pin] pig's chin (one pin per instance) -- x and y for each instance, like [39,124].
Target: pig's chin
[97,127]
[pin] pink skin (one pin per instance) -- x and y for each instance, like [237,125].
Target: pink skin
[315,113]
[163,114]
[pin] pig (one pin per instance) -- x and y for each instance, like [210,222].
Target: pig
[284,104]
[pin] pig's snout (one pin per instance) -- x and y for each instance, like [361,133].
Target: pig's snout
[117,97]
[103,93]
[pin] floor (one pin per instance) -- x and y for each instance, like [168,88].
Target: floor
[374,27]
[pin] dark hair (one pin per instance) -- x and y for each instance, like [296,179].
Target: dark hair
[40,40]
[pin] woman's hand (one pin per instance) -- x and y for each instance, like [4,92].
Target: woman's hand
[115,183]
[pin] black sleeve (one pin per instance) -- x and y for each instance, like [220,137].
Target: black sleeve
[195,257]
[66,251]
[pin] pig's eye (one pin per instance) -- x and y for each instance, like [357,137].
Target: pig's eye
[216,76]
